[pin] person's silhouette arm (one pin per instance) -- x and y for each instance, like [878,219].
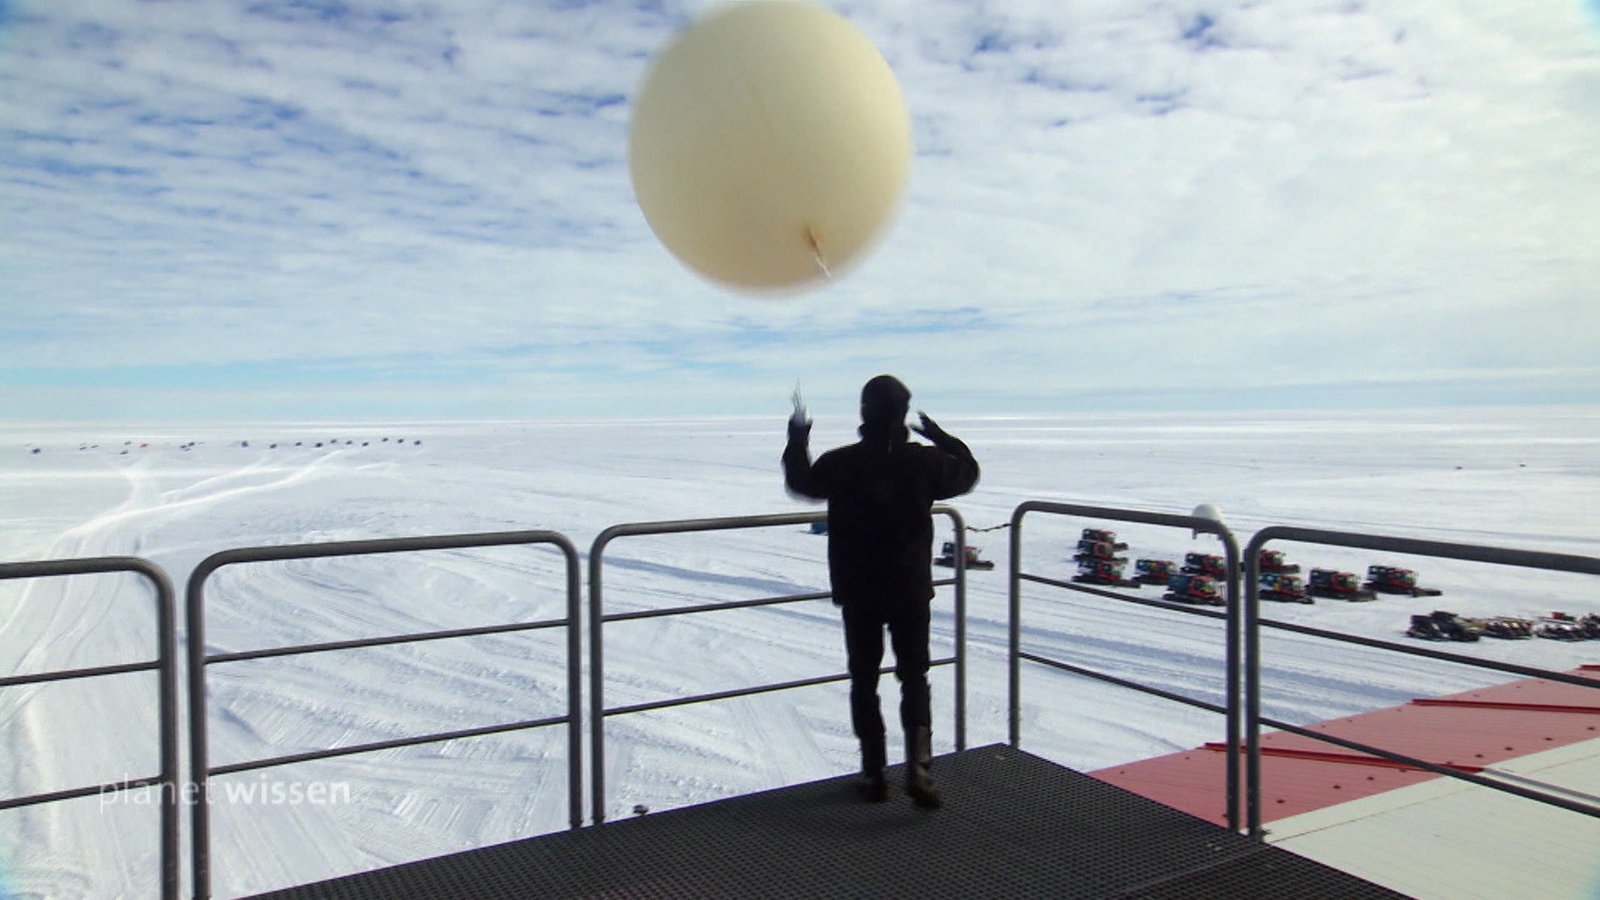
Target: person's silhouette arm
[799,475]
[958,471]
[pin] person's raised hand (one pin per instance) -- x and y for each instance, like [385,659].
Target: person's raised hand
[799,426]
[927,427]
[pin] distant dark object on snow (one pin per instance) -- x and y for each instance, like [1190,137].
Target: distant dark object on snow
[244,443]
[416,443]
[36,450]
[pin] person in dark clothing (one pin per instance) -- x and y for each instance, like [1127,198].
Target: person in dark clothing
[880,491]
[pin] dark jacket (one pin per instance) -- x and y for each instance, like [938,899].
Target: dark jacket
[879,492]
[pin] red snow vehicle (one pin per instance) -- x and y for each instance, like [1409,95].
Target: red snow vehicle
[1205,564]
[1191,588]
[947,557]
[1088,549]
[1283,587]
[1395,580]
[1106,572]
[1154,571]
[1272,561]
[1102,536]
[1338,585]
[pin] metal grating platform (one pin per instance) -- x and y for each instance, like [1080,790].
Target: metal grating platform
[1014,825]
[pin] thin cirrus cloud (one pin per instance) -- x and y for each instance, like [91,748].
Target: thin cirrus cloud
[376,208]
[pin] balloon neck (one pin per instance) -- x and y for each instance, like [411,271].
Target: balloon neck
[816,252]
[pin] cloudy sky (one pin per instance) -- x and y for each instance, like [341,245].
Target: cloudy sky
[422,208]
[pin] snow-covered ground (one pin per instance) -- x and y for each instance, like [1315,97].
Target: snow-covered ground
[1518,478]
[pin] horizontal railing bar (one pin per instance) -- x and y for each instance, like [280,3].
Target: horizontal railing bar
[166,669]
[713,607]
[78,793]
[598,618]
[724,523]
[1515,777]
[722,695]
[71,674]
[385,640]
[200,835]
[1344,759]
[1509,705]
[1429,652]
[1557,562]
[437,738]
[94,565]
[1187,608]
[1170,520]
[1232,617]
[1122,682]
[420,544]
[751,691]
[1438,768]
[1529,559]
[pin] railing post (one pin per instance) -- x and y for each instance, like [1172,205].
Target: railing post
[166,666]
[1252,690]
[198,659]
[1233,629]
[1236,630]
[597,620]
[1556,562]
[574,686]
[199,762]
[597,707]
[167,621]
[1014,632]
[960,566]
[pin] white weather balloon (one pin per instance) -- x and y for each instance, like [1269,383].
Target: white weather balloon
[769,146]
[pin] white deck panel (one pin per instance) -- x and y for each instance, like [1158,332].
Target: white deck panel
[1452,840]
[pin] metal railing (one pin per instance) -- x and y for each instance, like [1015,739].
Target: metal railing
[165,665]
[1230,710]
[598,619]
[1253,624]
[199,659]
[1242,648]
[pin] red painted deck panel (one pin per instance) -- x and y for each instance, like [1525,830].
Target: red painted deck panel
[1472,729]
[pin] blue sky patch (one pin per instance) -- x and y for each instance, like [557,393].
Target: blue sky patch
[339,203]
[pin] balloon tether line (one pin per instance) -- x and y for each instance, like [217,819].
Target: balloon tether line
[816,252]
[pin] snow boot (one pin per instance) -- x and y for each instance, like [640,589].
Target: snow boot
[919,759]
[871,784]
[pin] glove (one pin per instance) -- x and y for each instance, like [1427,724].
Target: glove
[799,428]
[799,421]
[930,429]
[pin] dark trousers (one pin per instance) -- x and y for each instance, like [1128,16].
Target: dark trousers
[863,641]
